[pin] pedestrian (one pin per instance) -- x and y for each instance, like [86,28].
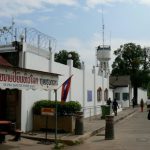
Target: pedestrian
[142,104]
[109,101]
[133,102]
[148,116]
[115,106]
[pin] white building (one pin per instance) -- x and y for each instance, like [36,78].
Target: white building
[123,91]
[89,86]
[86,85]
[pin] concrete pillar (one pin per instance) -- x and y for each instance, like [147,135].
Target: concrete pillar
[109,127]
[95,99]
[103,72]
[70,64]
[83,79]
[21,55]
[51,60]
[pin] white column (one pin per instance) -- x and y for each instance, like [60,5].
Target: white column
[51,60]
[103,72]
[83,68]
[21,56]
[95,99]
[70,64]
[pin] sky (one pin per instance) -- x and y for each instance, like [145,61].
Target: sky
[77,24]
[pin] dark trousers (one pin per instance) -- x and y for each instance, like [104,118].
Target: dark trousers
[115,112]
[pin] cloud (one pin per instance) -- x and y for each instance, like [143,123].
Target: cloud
[94,3]
[18,7]
[43,18]
[24,22]
[63,2]
[145,2]
[70,15]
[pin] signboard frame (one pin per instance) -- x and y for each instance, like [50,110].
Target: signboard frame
[20,78]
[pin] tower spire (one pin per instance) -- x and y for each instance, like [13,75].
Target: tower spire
[103,28]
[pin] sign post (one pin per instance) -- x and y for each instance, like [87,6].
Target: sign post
[47,112]
[56,143]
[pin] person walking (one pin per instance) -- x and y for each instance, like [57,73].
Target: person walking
[142,104]
[109,104]
[133,102]
[115,106]
[148,115]
[109,101]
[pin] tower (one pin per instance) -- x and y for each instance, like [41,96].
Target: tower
[103,57]
[103,53]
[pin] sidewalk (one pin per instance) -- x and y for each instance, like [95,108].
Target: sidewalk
[92,126]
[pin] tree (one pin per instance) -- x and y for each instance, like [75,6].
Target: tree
[133,61]
[62,57]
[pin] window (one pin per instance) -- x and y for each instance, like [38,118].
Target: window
[125,96]
[106,94]
[89,96]
[117,96]
[99,94]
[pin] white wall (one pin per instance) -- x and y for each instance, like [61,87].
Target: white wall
[29,97]
[111,94]
[122,90]
[142,94]
[83,80]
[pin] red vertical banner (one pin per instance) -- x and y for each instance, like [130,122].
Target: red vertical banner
[65,89]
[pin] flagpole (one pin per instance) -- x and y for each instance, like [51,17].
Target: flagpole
[56,143]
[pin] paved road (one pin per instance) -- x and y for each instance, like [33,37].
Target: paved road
[133,133]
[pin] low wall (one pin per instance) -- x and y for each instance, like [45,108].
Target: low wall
[65,123]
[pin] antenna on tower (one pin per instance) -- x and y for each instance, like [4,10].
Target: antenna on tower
[103,27]
[110,37]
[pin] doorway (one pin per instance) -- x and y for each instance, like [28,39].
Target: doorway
[10,106]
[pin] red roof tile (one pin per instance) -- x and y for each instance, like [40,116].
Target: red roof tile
[4,62]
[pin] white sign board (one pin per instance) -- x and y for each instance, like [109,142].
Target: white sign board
[17,78]
[48,111]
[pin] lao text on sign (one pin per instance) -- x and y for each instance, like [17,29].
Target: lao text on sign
[48,111]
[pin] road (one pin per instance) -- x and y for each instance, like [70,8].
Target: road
[133,133]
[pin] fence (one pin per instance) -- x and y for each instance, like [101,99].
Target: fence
[91,111]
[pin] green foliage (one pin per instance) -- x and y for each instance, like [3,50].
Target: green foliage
[132,60]
[62,57]
[72,107]
[67,108]
[129,59]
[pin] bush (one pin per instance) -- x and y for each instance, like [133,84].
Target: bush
[67,108]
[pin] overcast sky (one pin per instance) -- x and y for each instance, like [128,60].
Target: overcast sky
[77,24]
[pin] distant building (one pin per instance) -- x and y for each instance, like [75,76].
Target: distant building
[123,91]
